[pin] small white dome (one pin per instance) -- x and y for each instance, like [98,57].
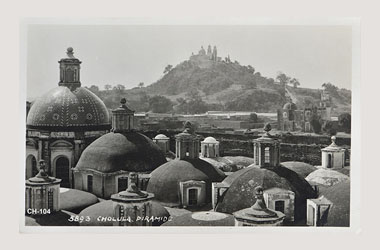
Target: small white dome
[161,137]
[210,140]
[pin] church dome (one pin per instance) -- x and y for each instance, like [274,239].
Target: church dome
[290,106]
[113,152]
[165,180]
[243,182]
[63,109]
[161,137]
[69,107]
[210,140]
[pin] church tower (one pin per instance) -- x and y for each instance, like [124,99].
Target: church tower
[266,149]
[187,143]
[69,70]
[122,118]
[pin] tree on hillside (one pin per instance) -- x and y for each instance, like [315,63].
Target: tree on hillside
[294,82]
[282,78]
[107,87]
[168,68]
[309,101]
[94,89]
[253,117]
[330,87]
[160,104]
[270,80]
[330,128]
[119,88]
[345,122]
[315,121]
[141,85]
[251,69]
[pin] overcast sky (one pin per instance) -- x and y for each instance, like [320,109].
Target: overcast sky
[124,54]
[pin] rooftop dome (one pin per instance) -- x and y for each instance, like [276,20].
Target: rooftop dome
[68,107]
[210,140]
[74,200]
[326,177]
[301,168]
[290,106]
[161,137]
[164,181]
[204,218]
[105,209]
[112,152]
[243,182]
[339,195]
[221,163]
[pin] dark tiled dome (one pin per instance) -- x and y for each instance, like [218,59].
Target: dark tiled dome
[243,182]
[116,151]
[62,109]
[164,181]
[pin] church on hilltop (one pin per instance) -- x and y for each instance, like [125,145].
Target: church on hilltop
[211,54]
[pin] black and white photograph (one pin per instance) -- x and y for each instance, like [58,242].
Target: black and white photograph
[188,125]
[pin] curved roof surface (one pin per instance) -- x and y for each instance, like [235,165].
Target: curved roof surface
[204,218]
[326,177]
[62,109]
[242,184]
[301,168]
[74,200]
[116,151]
[165,180]
[339,195]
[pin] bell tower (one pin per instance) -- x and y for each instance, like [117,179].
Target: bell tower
[69,70]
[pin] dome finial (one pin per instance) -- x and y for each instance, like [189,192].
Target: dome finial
[267,128]
[123,101]
[133,191]
[70,52]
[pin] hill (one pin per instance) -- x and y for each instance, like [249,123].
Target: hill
[200,84]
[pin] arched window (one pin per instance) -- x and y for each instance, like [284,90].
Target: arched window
[62,171]
[31,167]
[267,155]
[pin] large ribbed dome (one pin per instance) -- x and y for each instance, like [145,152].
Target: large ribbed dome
[62,109]
[116,151]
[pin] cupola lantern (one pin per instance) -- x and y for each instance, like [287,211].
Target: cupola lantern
[69,70]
